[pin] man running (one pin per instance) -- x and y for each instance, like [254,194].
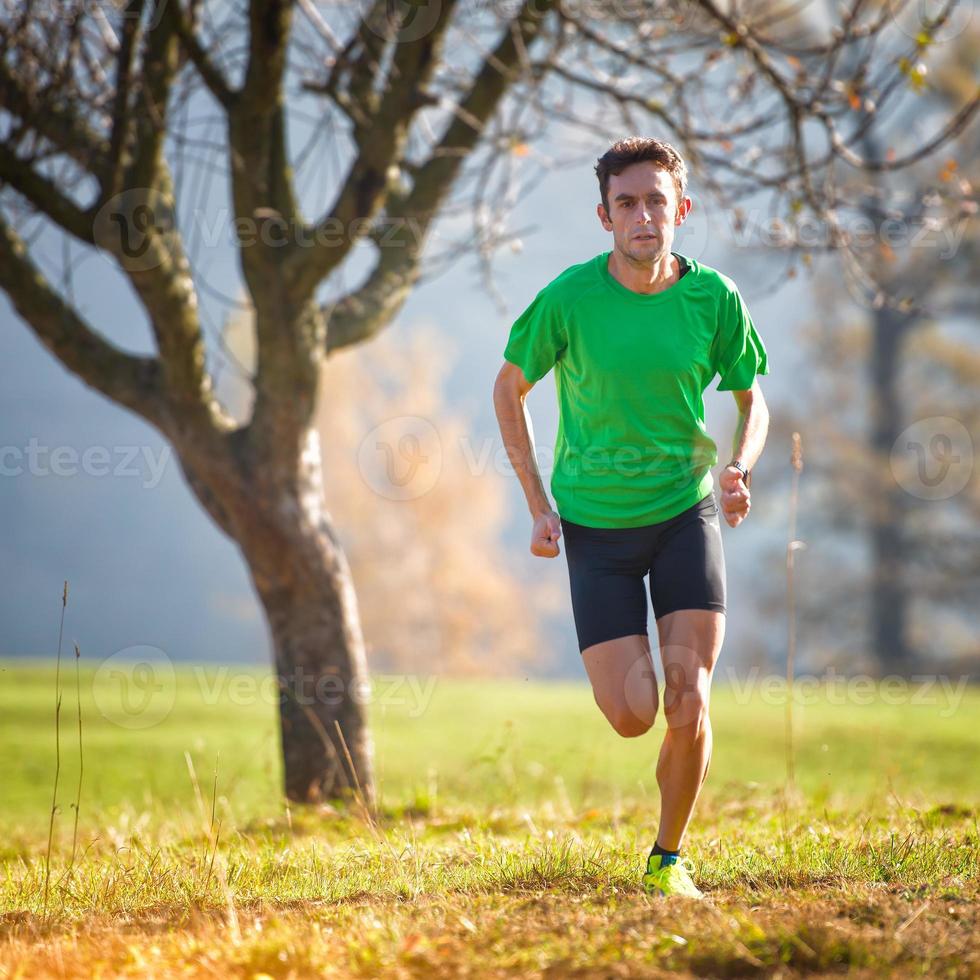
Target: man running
[635,335]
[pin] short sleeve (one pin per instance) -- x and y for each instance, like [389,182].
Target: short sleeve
[739,353]
[537,338]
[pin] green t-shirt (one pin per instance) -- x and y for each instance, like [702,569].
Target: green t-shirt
[630,372]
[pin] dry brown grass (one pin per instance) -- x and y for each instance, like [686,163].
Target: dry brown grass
[867,930]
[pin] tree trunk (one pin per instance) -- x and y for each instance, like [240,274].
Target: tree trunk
[889,559]
[304,583]
[322,673]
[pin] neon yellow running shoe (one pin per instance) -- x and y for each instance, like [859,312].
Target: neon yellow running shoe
[670,879]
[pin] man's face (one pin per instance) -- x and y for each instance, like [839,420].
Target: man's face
[643,212]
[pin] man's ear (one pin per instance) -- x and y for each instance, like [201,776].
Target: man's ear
[603,217]
[684,209]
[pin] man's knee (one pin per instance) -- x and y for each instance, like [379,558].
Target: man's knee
[624,684]
[626,721]
[686,711]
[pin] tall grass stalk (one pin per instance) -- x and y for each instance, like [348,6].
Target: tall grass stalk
[81,769]
[81,757]
[792,546]
[365,806]
[57,750]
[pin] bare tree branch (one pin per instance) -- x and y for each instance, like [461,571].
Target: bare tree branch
[135,382]
[950,131]
[53,118]
[215,81]
[362,313]
[380,140]
[122,117]
[261,179]
[44,195]
[160,63]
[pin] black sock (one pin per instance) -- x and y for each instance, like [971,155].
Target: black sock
[666,857]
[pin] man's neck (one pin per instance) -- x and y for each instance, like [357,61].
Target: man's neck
[645,278]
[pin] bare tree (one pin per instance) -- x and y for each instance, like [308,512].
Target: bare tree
[437,106]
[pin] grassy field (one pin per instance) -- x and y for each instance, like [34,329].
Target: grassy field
[513,826]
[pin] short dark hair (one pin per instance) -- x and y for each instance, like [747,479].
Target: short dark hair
[637,149]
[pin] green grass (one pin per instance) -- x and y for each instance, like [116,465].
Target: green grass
[513,821]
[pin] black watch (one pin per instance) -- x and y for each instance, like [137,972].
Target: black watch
[737,464]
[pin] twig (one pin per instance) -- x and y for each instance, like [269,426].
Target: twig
[322,733]
[357,783]
[81,756]
[912,918]
[215,829]
[355,789]
[57,750]
[196,785]
[792,546]
[81,767]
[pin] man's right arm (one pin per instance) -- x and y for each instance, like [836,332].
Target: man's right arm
[509,393]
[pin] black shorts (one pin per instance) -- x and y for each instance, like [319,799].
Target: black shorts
[683,557]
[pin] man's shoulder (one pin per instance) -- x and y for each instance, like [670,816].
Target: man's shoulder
[715,280]
[570,284]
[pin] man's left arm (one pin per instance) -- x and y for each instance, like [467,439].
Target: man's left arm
[750,438]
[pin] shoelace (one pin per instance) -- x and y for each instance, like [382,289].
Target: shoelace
[685,863]
[682,862]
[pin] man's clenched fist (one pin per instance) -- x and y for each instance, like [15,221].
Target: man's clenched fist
[545,535]
[735,497]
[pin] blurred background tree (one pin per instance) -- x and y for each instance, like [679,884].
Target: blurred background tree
[891,489]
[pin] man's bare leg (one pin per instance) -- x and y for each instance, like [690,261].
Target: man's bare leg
[690,641]
[624,683]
